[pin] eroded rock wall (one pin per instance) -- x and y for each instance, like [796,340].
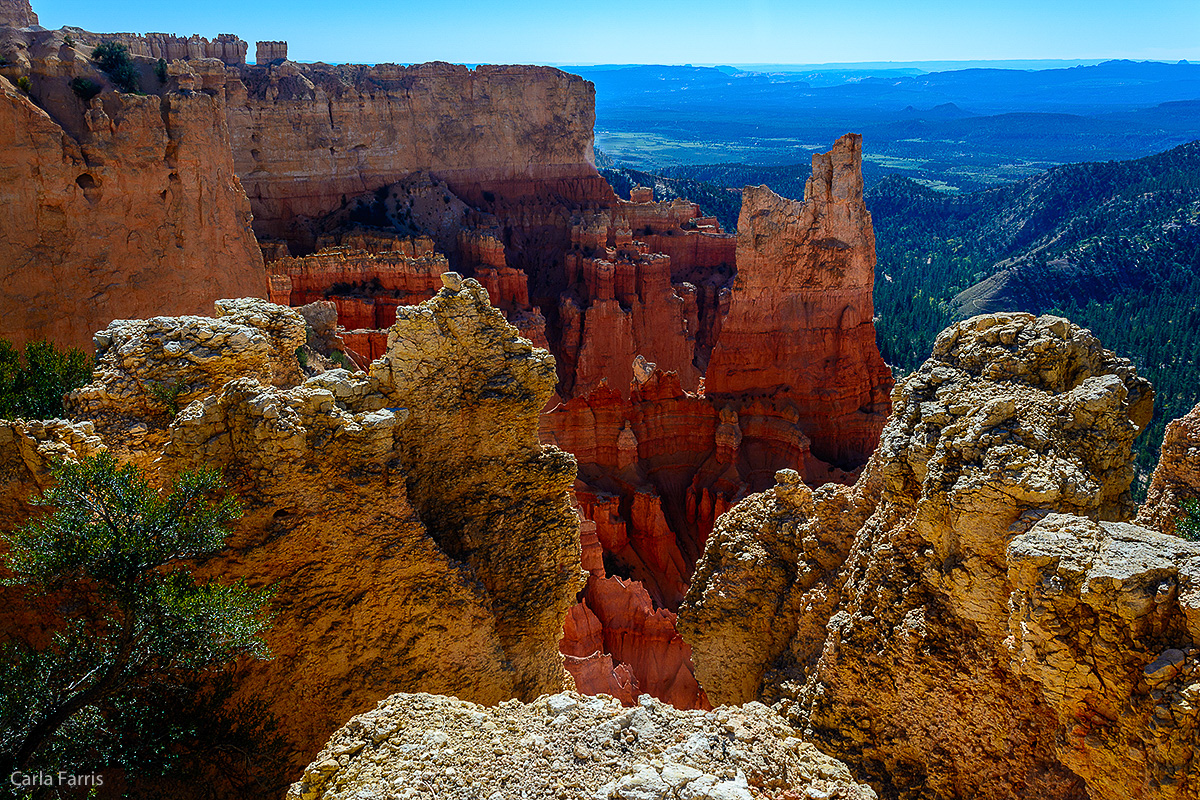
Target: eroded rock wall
[308,137]
[932,625]
[418,536]
[127,206]
[1176,479]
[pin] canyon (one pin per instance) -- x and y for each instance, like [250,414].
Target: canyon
[366,185]
[504,436]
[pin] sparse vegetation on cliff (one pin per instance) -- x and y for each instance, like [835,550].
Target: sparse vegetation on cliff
[1189,524]
[85,88]
[33,387]
[114,551]
[114,59]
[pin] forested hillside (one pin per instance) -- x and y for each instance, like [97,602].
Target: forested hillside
[1112,246]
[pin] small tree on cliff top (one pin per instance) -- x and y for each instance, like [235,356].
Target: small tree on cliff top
[114,553]
[114,59]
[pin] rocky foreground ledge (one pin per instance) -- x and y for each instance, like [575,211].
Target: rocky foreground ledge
[570,746]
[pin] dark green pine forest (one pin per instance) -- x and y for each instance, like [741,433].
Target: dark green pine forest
[1112,246]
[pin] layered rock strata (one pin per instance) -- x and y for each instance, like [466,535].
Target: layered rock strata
[418,536]
[308,137]
[122,207]
[799,329]
[570,746]
[1176,479]
[225,47]
[932,625]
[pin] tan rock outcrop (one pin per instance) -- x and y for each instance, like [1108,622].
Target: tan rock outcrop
[148,370]
[266,52]
[418,536]
[1105,618]
[570,746]
[944,656]
[127,207]
[799,328]
[225,47]
[1177,477]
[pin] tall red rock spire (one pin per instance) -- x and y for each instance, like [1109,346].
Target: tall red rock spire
[800,327]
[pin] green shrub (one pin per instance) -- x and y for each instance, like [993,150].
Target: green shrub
[141,624]
[69,40]
[160,69]
[1188,526]
[168,394]
[85,88]
[23,84]
[114,59]
[34,389]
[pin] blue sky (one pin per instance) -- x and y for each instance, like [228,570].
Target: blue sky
[668,31]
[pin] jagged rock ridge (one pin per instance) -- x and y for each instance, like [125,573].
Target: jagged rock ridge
[571,746]
[937,625]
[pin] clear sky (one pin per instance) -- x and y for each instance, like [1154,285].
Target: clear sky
[667,31]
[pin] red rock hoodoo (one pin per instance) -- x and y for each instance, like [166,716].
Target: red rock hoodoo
[799,330]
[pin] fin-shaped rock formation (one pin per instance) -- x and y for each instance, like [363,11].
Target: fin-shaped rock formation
[973,618]
[418,535]
[570,746]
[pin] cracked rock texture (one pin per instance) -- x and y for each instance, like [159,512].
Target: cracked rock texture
[931,625]
[418,536]
[570,746]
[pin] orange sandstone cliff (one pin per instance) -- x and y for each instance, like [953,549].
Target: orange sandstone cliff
[125,206]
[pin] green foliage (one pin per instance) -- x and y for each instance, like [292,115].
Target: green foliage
[69,40]
[160,70]
[1114,247]
[114,59]
[24,85]
[168,394]
[339,358]
[302,357]
[141,627]
[1188,526]
[85,88]
[33,387]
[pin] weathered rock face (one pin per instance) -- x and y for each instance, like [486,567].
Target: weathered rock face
[1177,477]
[966,645]
[418,536]
[17,14]
[225,47]
[125,207]
[1106,620]
[799,328]
[306,137]
[573,747]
